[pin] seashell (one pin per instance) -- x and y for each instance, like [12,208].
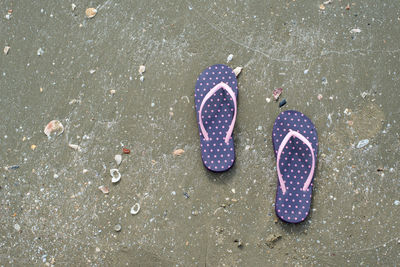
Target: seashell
[91,12]
[104,189]
[178,152]
[126,150]
[142,69]
[73,7]
[237,71]
[355,31]
[118,159]
[277,92]
[117,228]
[6,49]
[76,147]
[229,58]
[40,51]
[363,143]
[141,78]
[116,176]
[322,6]
[135,209]
[54,126]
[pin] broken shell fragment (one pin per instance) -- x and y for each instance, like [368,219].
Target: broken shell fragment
[355,31]
[142,69]
[135,209]
[229,58]
[91,12]
[126,150]
[118,159]
[6,49]
[75,147]
[277,92]
[54,126]
[178,152]
[116,176]
[73,7]
[104,189]
[40,51]
[237,71]
[363,143]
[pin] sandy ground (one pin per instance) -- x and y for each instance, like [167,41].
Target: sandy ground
[52,212]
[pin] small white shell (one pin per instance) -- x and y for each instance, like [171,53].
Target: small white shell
[118,159]
[6,49]
[355,31]
[141,78]
[237,71]
[116,176]
[135,209]
[142,69]
[40,51]
[73,6]
[229,58]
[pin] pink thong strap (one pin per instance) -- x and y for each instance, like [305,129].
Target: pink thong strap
[208,95]
[280,150]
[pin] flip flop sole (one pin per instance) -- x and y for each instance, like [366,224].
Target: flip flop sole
[295,165]
[217,115]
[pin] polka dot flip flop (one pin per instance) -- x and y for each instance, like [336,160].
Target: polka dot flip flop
[296,147]
[216,107]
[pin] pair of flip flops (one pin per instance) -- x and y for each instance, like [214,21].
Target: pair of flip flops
[294,138]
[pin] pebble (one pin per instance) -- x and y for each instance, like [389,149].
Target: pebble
[282,103]
[306,71]
[117,228]
[268,99]
[363,143]
[17,227]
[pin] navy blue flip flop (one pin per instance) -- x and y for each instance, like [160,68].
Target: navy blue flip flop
[295,142]
[215,97]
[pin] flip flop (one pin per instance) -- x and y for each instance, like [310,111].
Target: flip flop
[296,148]
[216,107]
